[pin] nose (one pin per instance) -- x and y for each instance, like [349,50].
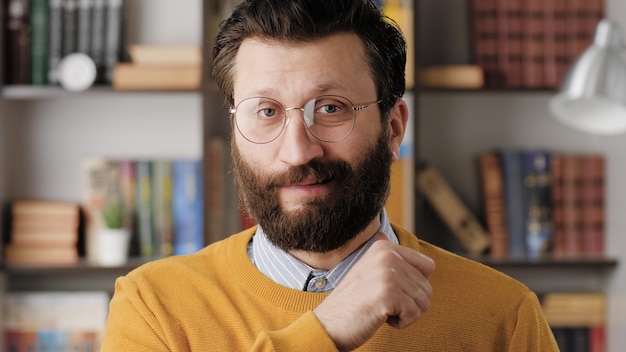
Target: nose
[298,146]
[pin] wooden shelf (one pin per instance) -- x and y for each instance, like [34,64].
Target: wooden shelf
[42,92]
[573,263]
[82,267]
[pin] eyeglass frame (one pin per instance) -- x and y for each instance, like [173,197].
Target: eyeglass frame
[355,109]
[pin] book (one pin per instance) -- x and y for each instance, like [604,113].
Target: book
[83,26]
[574,309]
[17,65]
[550,76]
[54,320]
[399,205]
[484,38]
[510,34]
[452,76]
[162,206]
[97,37]
[39,41]
[19,254]
[537,202]
[128,76]
[492,189]
[452,210]
[401,11]
[572,173]
[512,176]
[70,27]
[187,206]
[533,43]
[144,208]
[42,232]
[175,54]
[562,58]
[593,207]
[556,194]
[114,17]
[55,48]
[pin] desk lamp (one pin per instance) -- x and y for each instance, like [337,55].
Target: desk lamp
[592,96]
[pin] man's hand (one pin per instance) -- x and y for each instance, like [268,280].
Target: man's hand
[388,284]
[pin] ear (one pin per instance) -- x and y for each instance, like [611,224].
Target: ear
[398,117]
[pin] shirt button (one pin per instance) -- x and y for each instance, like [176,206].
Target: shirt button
[320,283]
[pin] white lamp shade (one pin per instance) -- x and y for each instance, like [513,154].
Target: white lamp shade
[592,97]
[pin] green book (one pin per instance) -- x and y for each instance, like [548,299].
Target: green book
[40,40]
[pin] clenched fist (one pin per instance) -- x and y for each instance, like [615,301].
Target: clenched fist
[390,283]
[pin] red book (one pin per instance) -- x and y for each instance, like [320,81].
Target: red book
[575,19]
[597,338]
[593,196]
[484,34]
[494,203]
[510,36]
[561,58]
[572,169]
[533,44]
[556,190]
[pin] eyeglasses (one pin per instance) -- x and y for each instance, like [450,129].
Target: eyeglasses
[329,118]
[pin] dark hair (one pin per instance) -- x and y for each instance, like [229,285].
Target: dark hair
[308,20]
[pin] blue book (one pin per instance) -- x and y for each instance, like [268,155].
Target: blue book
[537,201]
[187,206]
[512,179]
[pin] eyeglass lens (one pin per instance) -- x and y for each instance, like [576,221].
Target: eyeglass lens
[329,118]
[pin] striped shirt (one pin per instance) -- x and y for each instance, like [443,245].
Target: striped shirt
[285,269]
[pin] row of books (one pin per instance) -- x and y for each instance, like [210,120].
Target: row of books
[577,319]
[158,200]
[39,33]
[54,320]
[530,43]
[42,232]
[539,202]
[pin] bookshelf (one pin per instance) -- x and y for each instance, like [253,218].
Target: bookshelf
[52,129]
[455,126]
[45,131]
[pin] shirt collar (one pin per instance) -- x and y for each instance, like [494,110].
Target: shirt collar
[286,270]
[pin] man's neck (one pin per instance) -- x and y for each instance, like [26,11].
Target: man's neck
[328,260]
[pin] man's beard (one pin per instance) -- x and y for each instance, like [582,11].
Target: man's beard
[323,223]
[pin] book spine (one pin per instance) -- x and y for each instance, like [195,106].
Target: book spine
[484,38]
[113,36]
[187,206]
[162,206]
[593,198]
[55,38]
[96,48]
[514,200]
[70,27]
[572,201]
[493,203]
[550,76]
[143,206]
[510,36]
[17,42]
[533,44]
[83,31]
[561,39]
[556,193]
[537,201]
[453,211]
[39,42]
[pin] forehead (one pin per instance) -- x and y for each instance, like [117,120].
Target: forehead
[333,64]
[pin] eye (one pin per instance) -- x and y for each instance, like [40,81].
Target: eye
[329,106]
[267,110]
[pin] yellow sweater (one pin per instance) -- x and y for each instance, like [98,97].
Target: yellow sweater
[216,300]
